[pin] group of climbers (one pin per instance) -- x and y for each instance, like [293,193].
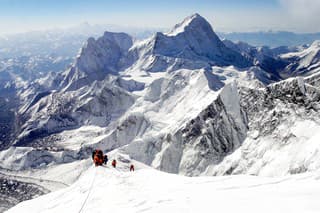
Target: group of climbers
[99,159]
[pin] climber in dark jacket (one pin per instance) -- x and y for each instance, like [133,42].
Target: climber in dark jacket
[105,159]
[93,153]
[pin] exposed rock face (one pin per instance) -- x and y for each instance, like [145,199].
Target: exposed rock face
[14,192]
[216,132]
[283,125]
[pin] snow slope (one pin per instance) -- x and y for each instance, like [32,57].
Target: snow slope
[146,190]
[304,62]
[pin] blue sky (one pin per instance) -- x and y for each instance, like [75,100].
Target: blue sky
[54,7]
[224,15]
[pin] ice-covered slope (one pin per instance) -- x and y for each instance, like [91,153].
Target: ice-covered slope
[146,190]
[282,136]
[203,137]
[304,62]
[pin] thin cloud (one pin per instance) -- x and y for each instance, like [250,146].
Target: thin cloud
[302,13]
[302,8]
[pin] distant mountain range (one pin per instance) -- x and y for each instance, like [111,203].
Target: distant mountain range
[67,42]
[271,38]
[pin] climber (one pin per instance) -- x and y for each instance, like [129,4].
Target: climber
[105,159]
[98,157]
[132,168]
[114,163]
[93,153]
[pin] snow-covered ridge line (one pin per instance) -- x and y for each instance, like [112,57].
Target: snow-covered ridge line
[147,190]
[205,140]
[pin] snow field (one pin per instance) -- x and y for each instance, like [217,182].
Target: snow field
[103,189]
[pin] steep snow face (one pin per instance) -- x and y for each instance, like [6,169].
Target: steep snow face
[242,130]
[282,124]
[304,62]
[97,59]
[217,131]
[113,190]
[167,102]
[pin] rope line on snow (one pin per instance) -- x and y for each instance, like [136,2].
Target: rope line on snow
[89,192]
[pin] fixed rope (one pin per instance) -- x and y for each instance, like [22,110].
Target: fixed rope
[89,192]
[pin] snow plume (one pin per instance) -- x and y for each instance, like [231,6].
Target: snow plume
[304,12]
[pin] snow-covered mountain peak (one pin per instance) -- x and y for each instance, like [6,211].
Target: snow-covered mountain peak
[193,40]
[193,26]
[110,44]
[191,44]
[193,21]
[98,58]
